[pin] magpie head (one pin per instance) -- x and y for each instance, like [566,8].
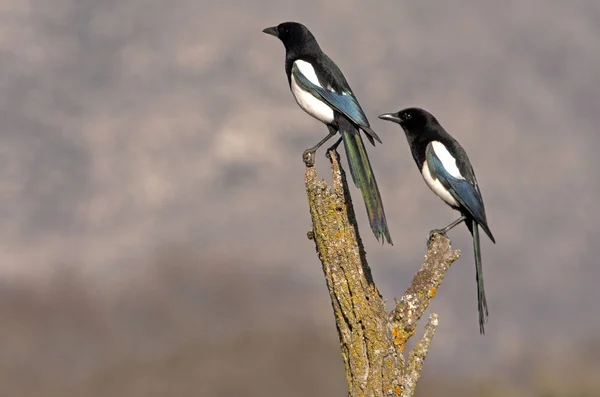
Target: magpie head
[410,118]
[291,34]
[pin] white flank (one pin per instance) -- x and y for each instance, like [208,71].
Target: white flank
[436,186]
[310,104]
[448,162]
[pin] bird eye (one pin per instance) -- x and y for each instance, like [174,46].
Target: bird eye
[406,116]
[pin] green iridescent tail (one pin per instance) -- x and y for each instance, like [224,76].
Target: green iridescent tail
[481,300]
[364,179]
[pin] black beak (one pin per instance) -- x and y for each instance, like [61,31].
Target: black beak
[393,117]
[272,31]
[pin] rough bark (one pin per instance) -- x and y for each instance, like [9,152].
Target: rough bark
[371,339]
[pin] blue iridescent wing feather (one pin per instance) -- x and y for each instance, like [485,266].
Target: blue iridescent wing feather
[343,103]
[463,191]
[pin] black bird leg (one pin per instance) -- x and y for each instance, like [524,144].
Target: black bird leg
[309,154]
[446,229]
[333,147]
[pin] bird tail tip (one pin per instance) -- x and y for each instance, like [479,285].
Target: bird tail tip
[383,236]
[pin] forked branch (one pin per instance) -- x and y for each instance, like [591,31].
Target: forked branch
[371,339]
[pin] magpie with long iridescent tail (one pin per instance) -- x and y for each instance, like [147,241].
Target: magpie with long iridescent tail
[322,91]
[447,171]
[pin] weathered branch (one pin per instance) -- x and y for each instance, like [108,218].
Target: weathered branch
[372,340]
[425,283]
[417,356]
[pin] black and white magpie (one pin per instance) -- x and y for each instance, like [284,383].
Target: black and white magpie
[322,91]
[447,171]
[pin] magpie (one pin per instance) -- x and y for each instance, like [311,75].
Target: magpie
[447,171]
[321,90]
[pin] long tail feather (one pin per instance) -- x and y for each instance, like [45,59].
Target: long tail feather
[364,179]
[481,300]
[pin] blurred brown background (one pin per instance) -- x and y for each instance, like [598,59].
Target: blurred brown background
[153,209]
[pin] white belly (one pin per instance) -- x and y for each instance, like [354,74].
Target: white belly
[436,186]
[311,105]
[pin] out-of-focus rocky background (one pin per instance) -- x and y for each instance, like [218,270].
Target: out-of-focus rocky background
[153,214]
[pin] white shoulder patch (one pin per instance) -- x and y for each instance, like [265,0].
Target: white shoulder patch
[448,161]
[308,71]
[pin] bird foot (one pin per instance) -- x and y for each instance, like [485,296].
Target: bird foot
[328,154]
[434,232]
[308,157]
